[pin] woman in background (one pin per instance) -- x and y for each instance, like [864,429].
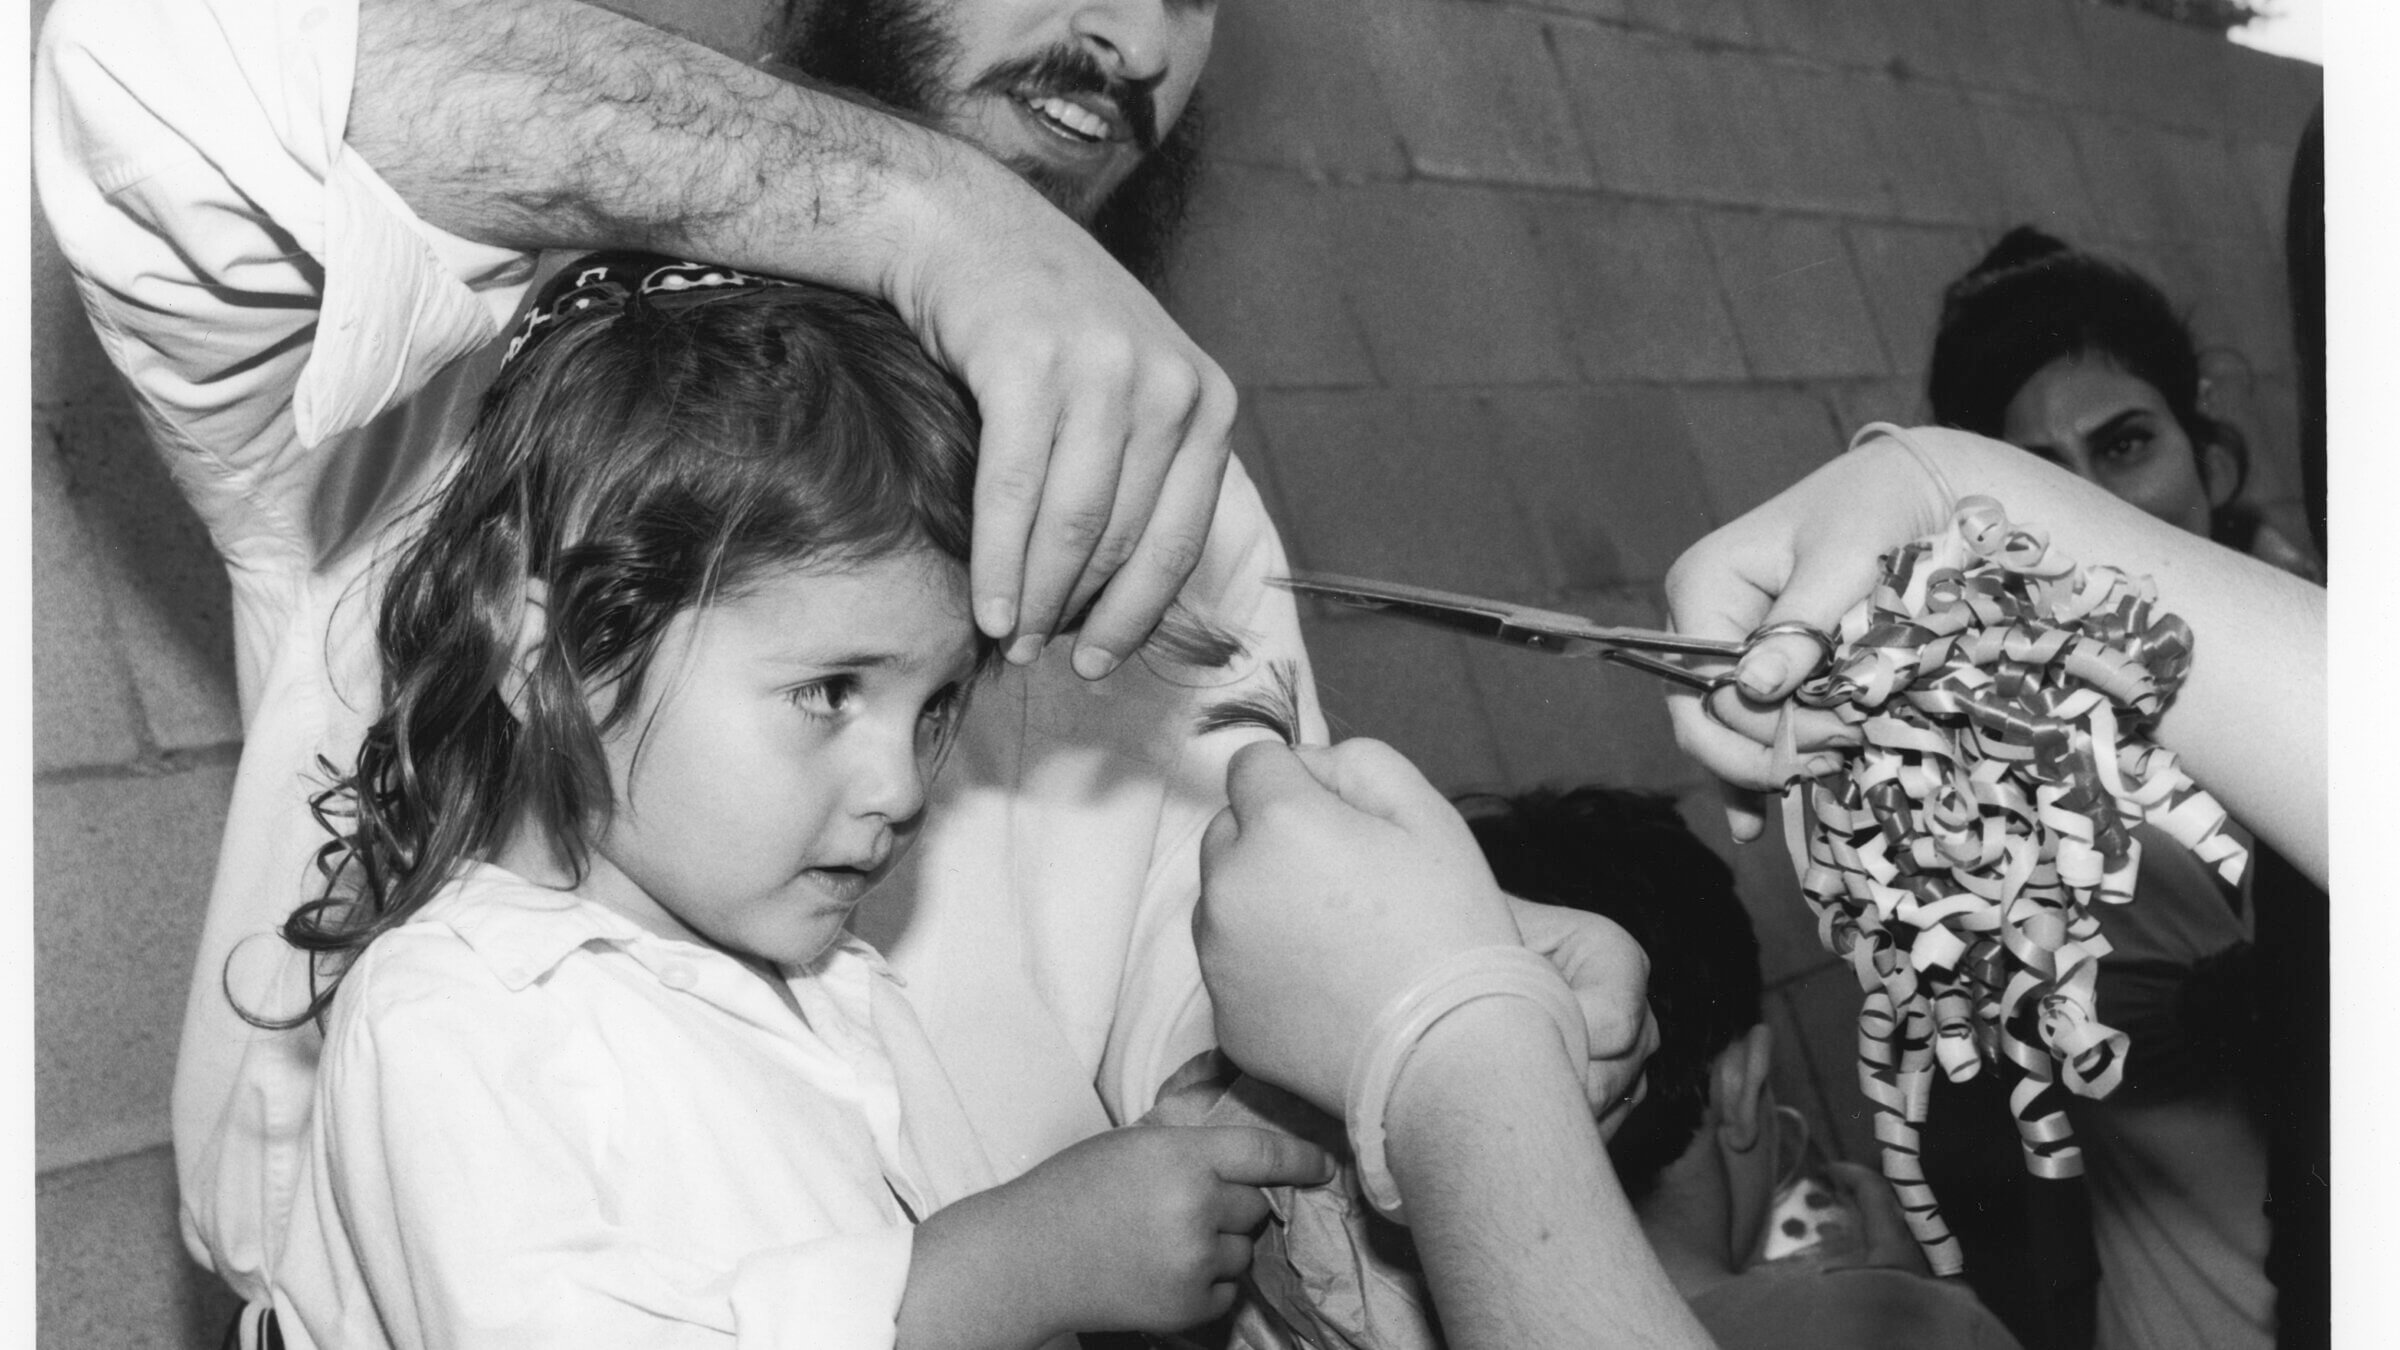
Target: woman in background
[2085,363]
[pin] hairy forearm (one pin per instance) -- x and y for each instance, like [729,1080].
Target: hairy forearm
[1525,1234]
[553,124]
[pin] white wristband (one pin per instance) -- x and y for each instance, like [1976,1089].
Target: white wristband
[1453,983]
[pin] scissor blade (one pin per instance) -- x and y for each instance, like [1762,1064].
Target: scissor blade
[1496,620]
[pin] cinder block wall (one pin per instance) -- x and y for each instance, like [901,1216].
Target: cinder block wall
[1521,298]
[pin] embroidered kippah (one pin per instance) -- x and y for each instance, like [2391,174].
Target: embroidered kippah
[2004,698]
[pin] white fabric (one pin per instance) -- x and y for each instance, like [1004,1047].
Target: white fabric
[294,336]
[538,1124]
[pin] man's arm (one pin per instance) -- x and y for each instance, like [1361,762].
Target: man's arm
[552,124]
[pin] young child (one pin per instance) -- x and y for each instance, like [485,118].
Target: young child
[669,666]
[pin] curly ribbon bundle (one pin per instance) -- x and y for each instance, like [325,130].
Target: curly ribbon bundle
[2003,696]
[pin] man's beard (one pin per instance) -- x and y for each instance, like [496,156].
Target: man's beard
[895,52]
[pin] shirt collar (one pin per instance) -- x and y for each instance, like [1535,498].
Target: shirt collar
[523,930]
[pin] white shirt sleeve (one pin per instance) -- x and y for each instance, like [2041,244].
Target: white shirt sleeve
[259,287]
[475,1186]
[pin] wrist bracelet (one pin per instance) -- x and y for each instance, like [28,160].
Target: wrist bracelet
[1453,983]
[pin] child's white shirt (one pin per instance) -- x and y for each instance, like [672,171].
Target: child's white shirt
[539,1124]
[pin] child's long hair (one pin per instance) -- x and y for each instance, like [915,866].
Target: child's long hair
[661,436]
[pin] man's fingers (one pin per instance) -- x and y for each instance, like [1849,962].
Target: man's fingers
[1233,1249]
[1079,493]
[1172,540]
[1019,423]
[1247,1156]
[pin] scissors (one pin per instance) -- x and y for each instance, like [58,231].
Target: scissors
[1555,633]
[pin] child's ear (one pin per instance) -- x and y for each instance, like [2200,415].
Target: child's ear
[525,648]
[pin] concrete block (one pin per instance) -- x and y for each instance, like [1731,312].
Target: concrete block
[2211,200]
[1399,484]
[1930,146]
[1639,290]
[1448,286]
[2128,164]
[1836,32]
[68,365]
[2154,70]
[1859,402]
[1475,94]
[1563,722]
[1821,121]
[121,876]
[1904,270]
[1931,39]
[170,602]
[2033,155]
[2272,97]
[1822,1009]
[1762,873]
[1649,136]
[1753,441]
[1255,283]
[1406,684]
[1716,21]
[1604,475]
[1286,86]
[109,1266]
[2029,47]
[1795,297]
[84,707]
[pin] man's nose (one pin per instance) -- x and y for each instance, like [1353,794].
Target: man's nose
[1130,37]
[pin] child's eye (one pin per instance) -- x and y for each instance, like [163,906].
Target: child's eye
[826,697]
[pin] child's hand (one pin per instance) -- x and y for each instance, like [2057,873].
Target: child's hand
[1140,1229]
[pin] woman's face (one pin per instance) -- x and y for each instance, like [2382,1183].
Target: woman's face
[2086,415]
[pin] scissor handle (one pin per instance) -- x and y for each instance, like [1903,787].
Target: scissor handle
[1796,628]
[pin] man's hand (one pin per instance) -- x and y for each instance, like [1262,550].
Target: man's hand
[1104,427]
[1334,879]
[1609,974]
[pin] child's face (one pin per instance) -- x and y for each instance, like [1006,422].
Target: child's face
[781,754]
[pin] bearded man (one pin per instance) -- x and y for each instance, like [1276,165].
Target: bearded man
[297,229]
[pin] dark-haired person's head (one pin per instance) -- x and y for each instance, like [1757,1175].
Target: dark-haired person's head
[1091,101]
[2086,363]
[1630,858]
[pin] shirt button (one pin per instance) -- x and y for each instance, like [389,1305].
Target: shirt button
[678,976]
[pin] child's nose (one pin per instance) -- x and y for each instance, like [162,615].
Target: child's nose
[892,782]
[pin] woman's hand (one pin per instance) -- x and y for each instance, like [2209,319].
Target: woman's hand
[1335,877]
[1809,554]
[1610,976]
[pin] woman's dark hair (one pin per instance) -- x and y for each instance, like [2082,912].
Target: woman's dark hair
[1628,857]
[640,459]
[2033,300]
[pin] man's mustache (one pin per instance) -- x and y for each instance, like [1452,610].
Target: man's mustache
[1072,70]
